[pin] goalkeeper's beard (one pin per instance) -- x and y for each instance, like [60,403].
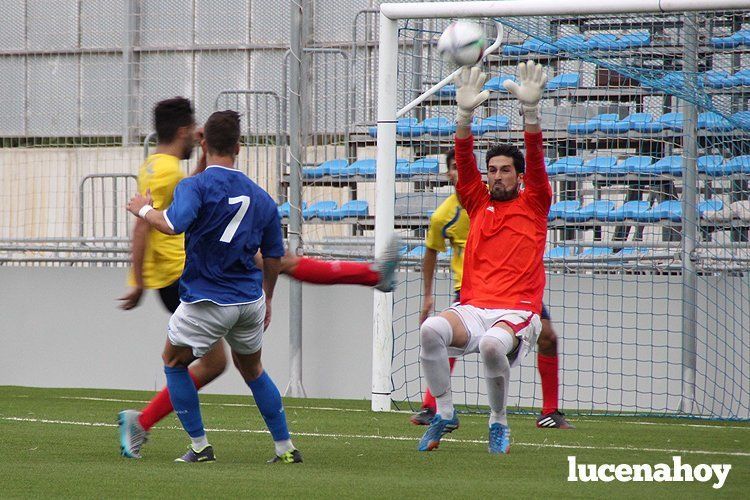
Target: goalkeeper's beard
[501,193]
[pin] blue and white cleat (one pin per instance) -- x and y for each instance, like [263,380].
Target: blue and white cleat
[132,435]
[438,428]
[499,439]
[387,263]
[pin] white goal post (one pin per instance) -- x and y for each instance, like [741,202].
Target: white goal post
[390,14]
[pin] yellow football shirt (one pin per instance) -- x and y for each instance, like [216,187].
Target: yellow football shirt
[165,254]
[450,222]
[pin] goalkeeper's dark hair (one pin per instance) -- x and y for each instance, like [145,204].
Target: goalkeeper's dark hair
[222,132]
[509,150]
[170,115]
[449,157]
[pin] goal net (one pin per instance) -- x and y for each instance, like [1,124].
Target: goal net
[646,127]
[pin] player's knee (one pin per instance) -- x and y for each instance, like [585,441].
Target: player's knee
[435,332]
[173,360]
[491,348]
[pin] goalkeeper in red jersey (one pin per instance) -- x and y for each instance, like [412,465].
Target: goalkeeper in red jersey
[503,273]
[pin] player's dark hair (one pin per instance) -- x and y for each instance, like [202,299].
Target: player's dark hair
[222,132]
[509,150]
[449,157]
[170,115]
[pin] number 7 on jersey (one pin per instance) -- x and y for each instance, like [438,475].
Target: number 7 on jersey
[235,222]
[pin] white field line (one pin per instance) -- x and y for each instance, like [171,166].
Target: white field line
[324,408]
[401,438]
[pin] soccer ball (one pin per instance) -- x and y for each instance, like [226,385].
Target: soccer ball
[462,43]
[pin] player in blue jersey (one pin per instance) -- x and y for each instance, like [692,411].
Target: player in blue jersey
[227,219]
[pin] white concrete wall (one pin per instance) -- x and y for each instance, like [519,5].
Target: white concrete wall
[620,339]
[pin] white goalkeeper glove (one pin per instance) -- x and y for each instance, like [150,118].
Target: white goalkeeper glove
[533,80]
[469,94]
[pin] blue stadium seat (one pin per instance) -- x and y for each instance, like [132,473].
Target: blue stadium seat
[644,123]
[514,50]
[633,40]
[596,252]
[317,207]
[404,123]
[668,210]
[630,210]
[495,84]
[572,43]
[409,127]
[741,120]
[564,81]
[339,168]
[673,121]
[539,46]
[497,123]
[354,208]
[636,164]
[708,207]
[734,40]
[614,127]
[741,78]
[716,79]
[596,210]
[366,167]
[714,122]
[592,125]
[564,165]
[602,42]
[604,165]
[447,91]
[285,207]
[560,252]
[416,252]
[739,164]
[439,125]
[563,209]
[324,168]
[671,165]
[425,166]
[713,165]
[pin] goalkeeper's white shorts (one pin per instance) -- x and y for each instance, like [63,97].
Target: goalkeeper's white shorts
[477,321]
[201,324]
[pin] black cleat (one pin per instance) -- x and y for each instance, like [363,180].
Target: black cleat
[290,457]
[192,456]
[554,420]
[423,417]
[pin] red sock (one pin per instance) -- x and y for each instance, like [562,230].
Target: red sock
[160,407]
[429,399]
[335,272]
[548,371]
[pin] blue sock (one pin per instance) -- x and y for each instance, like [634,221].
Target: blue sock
[184,397]
[268,399]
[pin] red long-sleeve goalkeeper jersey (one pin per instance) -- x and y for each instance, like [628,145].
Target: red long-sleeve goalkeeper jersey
[503,266]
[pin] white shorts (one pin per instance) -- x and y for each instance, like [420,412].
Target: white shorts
[477,321]
[201,324]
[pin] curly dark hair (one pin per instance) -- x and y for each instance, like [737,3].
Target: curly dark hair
[170,115]
[509,150]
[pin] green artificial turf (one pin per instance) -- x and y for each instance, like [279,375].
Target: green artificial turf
[63,443]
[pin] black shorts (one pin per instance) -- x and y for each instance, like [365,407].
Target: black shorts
[170,296]
[545,312]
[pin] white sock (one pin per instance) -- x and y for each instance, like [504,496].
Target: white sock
[445,405]
[283,446]
[494,351]
[436,335]
[199,443]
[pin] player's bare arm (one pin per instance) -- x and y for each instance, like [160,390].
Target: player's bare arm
[141,206]
[428,274]
[138,250]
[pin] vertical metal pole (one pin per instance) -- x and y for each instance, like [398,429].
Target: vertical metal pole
[689,222]
[382,333]
[416,64]
[296,147]
[130,61]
